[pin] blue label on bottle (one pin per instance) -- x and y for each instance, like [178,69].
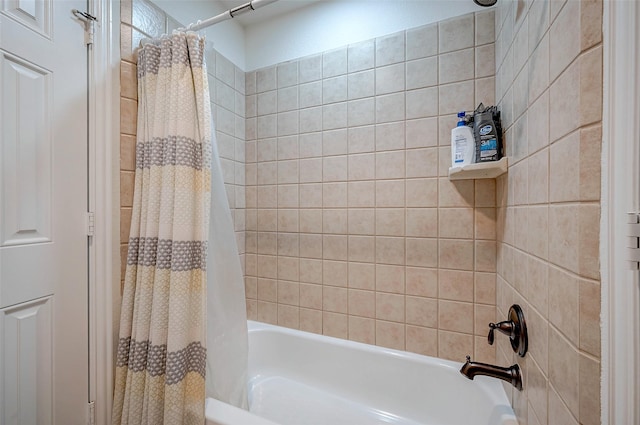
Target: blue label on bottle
[491,144]
[485,130]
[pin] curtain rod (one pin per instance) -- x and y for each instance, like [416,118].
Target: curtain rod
[231,13]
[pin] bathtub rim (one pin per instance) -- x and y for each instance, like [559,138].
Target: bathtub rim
[227,414]
[220,413]
[255,326]
[492,387]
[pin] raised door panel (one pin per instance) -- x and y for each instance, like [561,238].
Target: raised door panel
[26,356]
[25,141]
[34,14]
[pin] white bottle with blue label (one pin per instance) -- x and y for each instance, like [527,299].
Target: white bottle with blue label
[463,146]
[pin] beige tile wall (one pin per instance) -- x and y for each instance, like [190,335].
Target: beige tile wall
[140,19]
[353,228]
[549,86]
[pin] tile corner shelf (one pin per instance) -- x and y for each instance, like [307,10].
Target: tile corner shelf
[482,170]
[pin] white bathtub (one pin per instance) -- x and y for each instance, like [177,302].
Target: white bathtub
[298,378]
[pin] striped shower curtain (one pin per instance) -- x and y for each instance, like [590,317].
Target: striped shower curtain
[161,359]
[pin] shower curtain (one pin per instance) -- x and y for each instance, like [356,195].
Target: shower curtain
[161,359]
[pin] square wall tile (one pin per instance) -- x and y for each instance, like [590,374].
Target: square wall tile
[455,254]
[334,273]
[564,112]
[310,69]
[456,97]
[456,33]
[287,99]
[390,250]
[422,103]
[361,221]
[310,94]
[361,194]
[390,165]
[565,39]
[422,192]
[456,223]
[390,107]
[422,73]
[390,307]
[311,320]
[485,61]
[334,63]
[334,89]
[422,132]
[266,79]
[422,311]
[362,276]
[422,222]
[564,370]
[390,335]
[390,49]
[287,74]
[390,79]
[361,84]
[456,66]
[361,56]
[390,222]
[362,330]
[334,116]
[334,299]
[361,248]
[485,27]
[390,136]
[422,252]
[335,325]
[422,282]
[422,42]
[451,344]
[361,167]
[361,112]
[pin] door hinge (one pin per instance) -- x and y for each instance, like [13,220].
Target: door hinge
[91,407]
[89,25]
[91,223]
[633,240]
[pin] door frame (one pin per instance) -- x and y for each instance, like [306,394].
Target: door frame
[104,201]
[620,390]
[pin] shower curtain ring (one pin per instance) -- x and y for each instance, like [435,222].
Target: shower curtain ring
[192,25]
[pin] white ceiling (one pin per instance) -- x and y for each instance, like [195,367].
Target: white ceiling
[280,7]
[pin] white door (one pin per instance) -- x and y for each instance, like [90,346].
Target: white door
[43,204]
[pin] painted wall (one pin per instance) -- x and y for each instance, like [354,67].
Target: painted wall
[330,24]
[549,87]
[324,25]
[353,227]
[227,38]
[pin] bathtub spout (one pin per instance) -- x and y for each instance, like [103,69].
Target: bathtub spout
[510,374]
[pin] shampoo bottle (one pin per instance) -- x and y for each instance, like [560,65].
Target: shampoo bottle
[463,147]
[488,147]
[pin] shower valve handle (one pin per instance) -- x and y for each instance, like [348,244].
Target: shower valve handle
[507,327]
[515,328]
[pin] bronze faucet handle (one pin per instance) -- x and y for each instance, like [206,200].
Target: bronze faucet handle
[515,328]
[508,327]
